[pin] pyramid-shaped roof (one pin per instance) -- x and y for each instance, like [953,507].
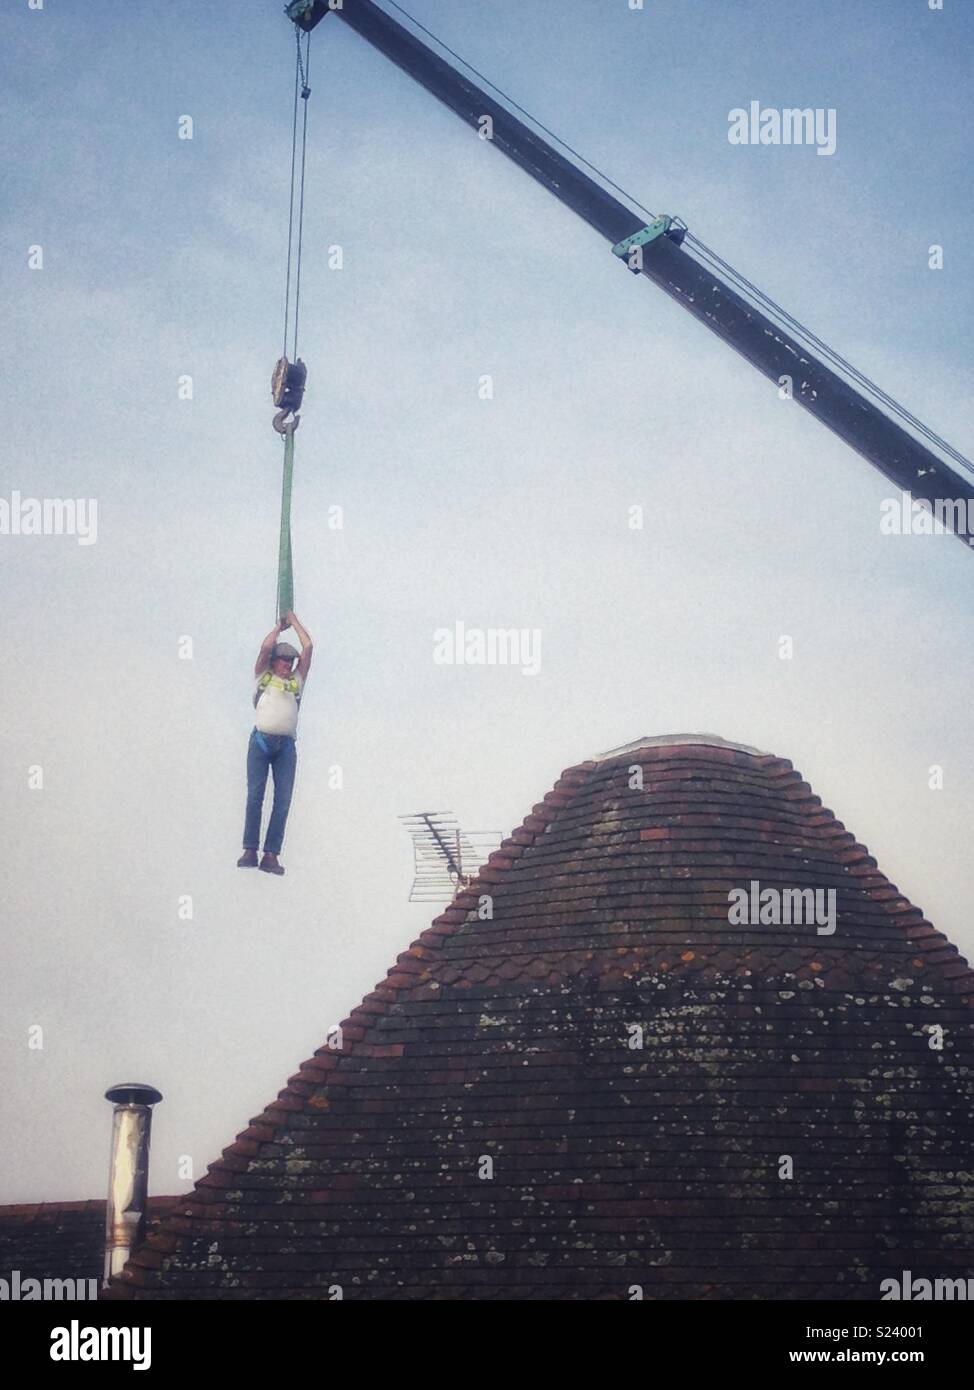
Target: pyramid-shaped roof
[586,1080]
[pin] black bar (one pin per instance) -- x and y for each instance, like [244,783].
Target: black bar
[853,416]
[247,1337]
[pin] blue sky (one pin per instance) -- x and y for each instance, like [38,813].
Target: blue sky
[164,257]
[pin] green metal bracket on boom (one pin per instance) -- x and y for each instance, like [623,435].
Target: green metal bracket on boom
[663,226]
[302,12]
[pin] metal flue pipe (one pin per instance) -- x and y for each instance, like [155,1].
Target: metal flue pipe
[128,1183]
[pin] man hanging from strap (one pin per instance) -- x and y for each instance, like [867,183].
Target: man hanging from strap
[279,684]
[277,697]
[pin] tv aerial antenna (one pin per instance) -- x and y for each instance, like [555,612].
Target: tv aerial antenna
[445,857]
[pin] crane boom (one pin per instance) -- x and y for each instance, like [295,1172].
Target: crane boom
[839,404]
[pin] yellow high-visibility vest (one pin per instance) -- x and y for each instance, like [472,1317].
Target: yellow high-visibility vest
[290,685]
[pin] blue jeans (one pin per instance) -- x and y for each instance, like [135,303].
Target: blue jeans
[282,757]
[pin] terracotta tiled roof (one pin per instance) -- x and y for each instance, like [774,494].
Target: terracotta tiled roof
[60,1240]
[488,1129]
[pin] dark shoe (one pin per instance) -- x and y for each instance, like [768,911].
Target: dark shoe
[270,865]
[248,860]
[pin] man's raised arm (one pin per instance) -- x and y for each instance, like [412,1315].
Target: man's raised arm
[266,647]
[307,646]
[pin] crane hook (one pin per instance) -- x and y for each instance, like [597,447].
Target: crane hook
[279,421]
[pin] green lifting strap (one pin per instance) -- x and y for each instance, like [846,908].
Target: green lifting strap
[285,571]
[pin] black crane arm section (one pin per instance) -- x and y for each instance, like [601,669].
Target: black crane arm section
[850,413]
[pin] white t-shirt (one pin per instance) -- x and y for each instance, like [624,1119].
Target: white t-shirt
[276,704]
